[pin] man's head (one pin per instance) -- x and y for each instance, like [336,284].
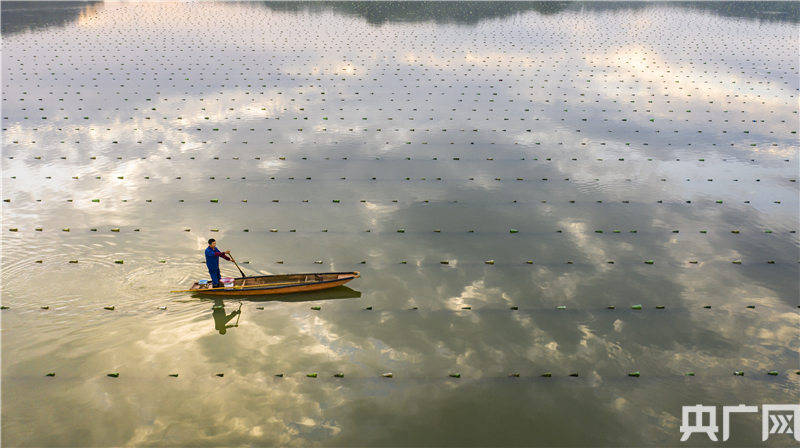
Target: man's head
[212,242]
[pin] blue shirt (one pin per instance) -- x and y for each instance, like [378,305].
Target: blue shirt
[212,257]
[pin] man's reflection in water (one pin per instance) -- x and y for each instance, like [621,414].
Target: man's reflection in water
[221,319]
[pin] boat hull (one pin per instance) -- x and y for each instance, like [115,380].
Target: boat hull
[328,280]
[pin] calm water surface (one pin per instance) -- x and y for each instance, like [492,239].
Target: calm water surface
[465,158]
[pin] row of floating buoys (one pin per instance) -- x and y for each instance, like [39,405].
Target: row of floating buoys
[489,262]
[635,307]
[403,230]
[407,158]
[632,374]
[427,201]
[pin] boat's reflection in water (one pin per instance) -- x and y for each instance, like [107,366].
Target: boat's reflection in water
[222,318]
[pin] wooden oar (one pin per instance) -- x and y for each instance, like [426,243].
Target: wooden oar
[237,266]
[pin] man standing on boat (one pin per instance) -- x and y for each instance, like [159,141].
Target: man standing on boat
[212,261]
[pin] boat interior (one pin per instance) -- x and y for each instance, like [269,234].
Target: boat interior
[275,280]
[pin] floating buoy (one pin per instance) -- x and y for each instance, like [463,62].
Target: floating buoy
[339,375]
[575,374]
[689,374]
[772,372]
[311,375]
[634,374]
[649,262]
[387,375]
[162,307]
[113,375]
[561,307]
[514,308]
[45,307]
[489,262]
[611,307]
[174,375]
[118,261]
[738,373]
[279,375]
[110,307]
[636,307]
[73,261]
[466,307]
[547,375]
[513,231]
[455,375]
[215,200]
[513,375]
[220,375]
[316,308]
[50,374]
[369,308]
[660,307]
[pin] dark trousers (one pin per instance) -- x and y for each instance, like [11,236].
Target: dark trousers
[215,275]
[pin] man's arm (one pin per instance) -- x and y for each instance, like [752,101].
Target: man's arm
[221,254]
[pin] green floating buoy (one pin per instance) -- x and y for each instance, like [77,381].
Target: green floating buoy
[3,307]
[316,308]
[660,307]
[515,307]
[217,307]
[689,374]
[279,375]
[174,375]
[513,231]
[574,374]
[311,375]
[46,307]
[751,306]
[513,375]
[401,230]
[73,261]
[529,262]
[611,307]
[387,375]
[95,200]
[50,374]
[634,374]
[489,262]
[455,375]
[708,307]
[444,262]
[649,262]
[738,373]
[110,307]
[220,375]
[547,375]
[259,307]
[772,372]
[636,307]
[118,261]
[561,307]
[215,200]
[369,308]
[466,307]
[339,375]
[113,375]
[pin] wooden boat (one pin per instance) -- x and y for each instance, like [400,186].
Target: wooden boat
[276,284]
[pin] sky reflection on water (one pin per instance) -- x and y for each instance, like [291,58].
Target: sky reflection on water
[528,155]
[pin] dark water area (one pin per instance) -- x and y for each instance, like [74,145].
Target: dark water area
[570,192]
